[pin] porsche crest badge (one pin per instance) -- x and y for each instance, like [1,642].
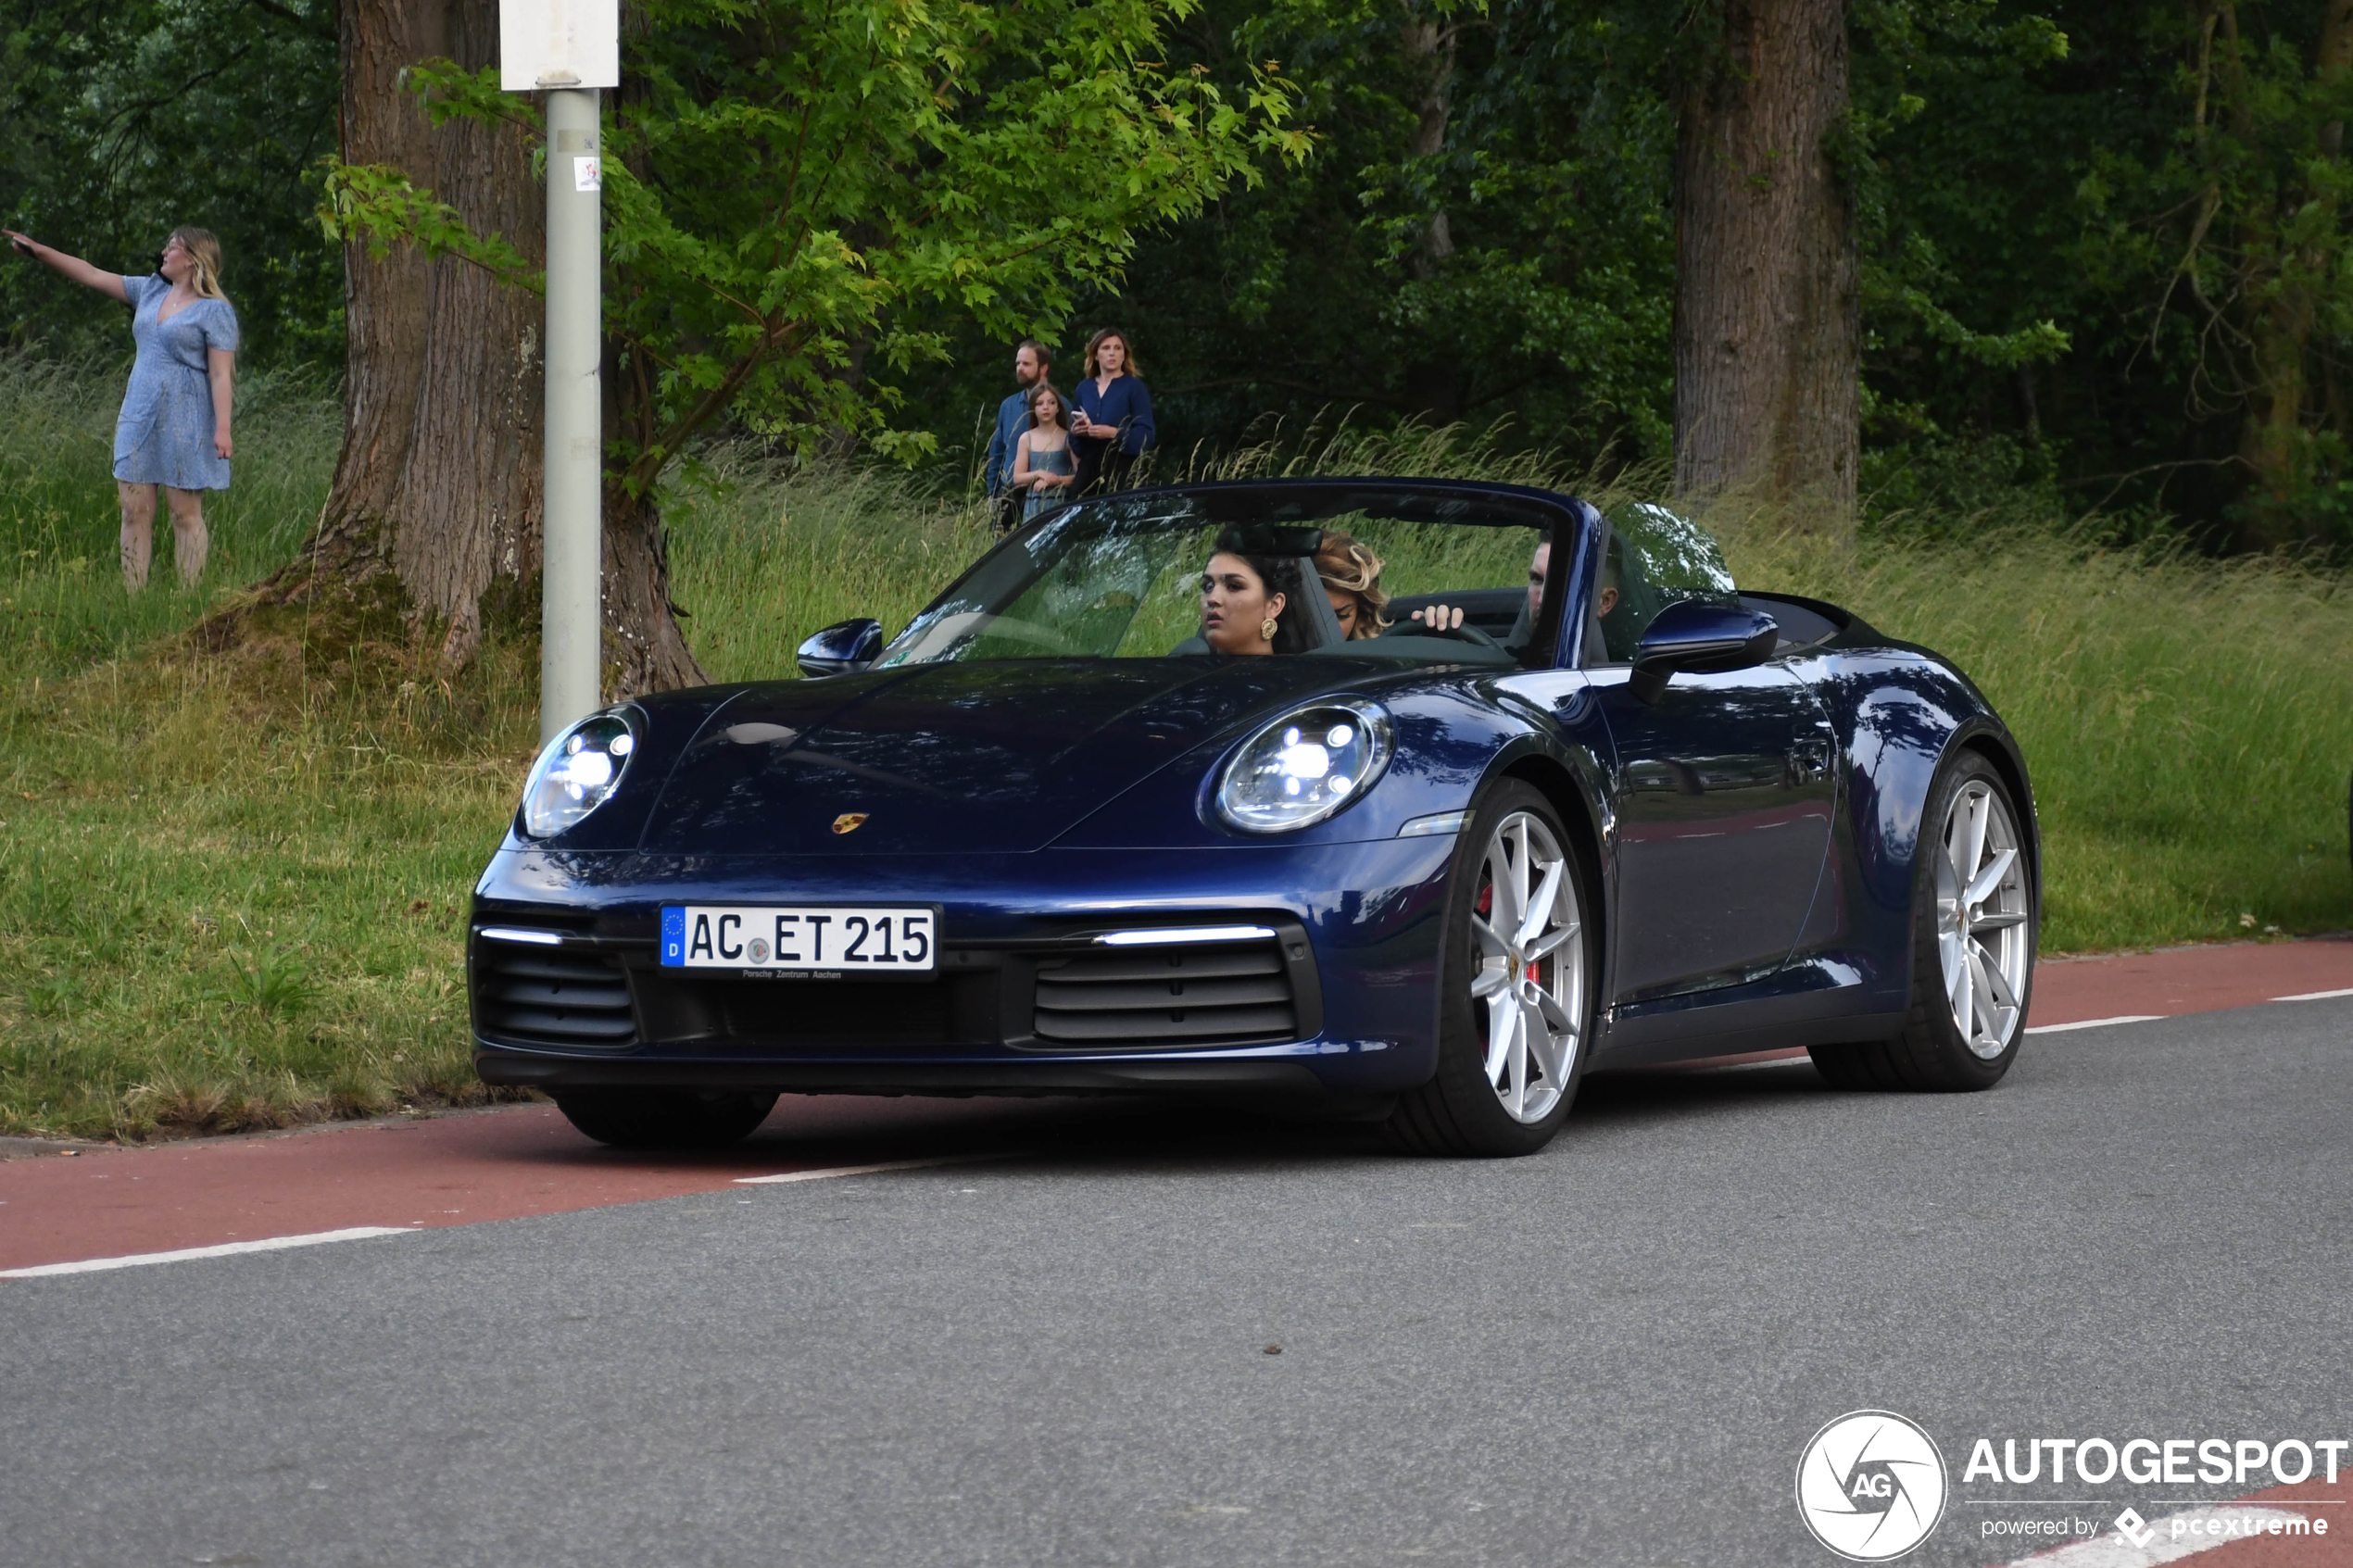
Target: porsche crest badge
[848,822]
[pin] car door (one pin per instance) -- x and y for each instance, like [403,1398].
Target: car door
[1724,798]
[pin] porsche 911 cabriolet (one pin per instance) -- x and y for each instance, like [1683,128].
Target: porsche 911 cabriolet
[1142,804]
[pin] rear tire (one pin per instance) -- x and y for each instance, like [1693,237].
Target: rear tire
[1516,978]
[680,1119]
[1973,957]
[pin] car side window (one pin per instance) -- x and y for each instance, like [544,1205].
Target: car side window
[1655,558]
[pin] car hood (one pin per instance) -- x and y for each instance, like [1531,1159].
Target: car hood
[982,757]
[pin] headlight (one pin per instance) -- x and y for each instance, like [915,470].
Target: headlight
[1305,766]
[577,773]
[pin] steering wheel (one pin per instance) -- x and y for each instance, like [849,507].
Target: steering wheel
[1465,632]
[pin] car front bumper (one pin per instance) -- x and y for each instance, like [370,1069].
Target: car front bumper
[1355,942]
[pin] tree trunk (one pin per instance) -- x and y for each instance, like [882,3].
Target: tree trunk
[438,485]
[642,635]
[1767,319]
[438,480]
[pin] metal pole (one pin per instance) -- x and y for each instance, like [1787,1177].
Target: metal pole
[572,619]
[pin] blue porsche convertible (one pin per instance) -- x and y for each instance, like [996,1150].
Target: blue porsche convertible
[1408,800]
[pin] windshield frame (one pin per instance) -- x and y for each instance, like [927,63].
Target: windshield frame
[1570,526]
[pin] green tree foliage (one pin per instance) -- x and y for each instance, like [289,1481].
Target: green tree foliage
[122,120]
[2103,244]
[1481,231]
[2165,190]
[2234,239]
[1484,231]
[801,199]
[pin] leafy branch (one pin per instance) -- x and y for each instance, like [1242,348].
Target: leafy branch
[800,195]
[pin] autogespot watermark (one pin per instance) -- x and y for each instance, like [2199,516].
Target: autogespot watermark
[1872,1486]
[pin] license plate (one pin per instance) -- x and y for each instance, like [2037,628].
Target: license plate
[843,939]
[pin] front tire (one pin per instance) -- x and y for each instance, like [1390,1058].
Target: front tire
[1974,927]
[1516,986]
[681,1119]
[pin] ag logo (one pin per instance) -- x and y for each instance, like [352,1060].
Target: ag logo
[1870,1485]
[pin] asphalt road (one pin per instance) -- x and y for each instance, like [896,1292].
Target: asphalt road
[1609,1354]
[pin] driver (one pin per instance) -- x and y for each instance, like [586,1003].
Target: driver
[1449,618]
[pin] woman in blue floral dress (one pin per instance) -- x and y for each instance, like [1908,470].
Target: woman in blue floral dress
[174,431]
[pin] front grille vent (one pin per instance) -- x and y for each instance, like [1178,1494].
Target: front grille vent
[1166,996]
[551,997]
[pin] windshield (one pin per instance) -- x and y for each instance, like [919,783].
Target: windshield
[1128,577]
[1655,558]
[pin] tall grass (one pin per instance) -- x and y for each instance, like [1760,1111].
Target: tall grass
[60,574]
[232,886]
[2188,722]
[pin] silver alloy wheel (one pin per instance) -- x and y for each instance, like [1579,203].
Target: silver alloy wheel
[1981,919]
[1530,966]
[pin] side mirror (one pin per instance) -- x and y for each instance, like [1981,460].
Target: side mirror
[1692,634]
[843,648]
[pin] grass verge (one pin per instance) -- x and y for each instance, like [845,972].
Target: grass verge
[232,886]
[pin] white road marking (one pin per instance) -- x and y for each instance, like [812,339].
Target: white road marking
[2314,996]
[2169,1540]
[226,1249]
[871,1170]
[2096,1023]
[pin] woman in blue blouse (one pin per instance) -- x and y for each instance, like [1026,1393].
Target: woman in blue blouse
[174,431]
[1114,424]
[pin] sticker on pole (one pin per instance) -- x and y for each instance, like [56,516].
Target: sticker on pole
[551,44]
[588,174]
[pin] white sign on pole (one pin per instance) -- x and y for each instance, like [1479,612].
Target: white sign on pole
[549,44]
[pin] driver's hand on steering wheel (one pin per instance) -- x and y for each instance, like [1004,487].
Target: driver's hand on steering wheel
[1440,618]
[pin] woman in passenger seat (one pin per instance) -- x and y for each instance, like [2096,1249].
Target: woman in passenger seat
[1351,576]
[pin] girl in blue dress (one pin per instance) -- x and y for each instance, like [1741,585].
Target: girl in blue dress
[174,431]
[1041,458]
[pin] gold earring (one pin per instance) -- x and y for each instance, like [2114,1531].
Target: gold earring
[1266,629]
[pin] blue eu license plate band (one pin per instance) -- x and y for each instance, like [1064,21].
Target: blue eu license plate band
[801,938]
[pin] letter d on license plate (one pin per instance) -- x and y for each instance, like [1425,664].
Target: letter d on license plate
[848,939]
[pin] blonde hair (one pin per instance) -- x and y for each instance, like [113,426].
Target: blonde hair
[1346,565]
[204,251]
